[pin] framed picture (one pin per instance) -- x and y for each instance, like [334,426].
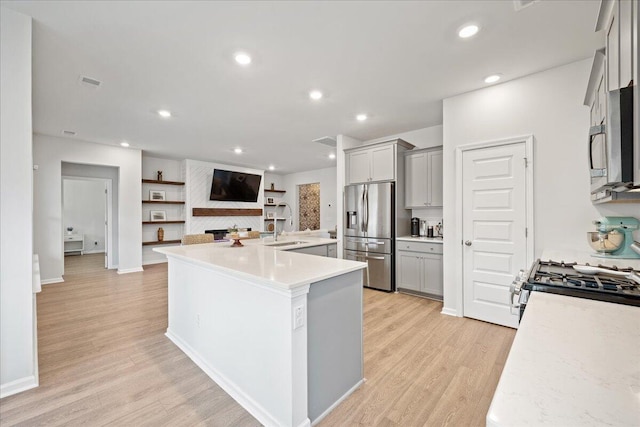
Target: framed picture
[158,216]
[156,195]
[270,200]
[271,215]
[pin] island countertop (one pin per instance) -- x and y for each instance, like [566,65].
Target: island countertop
[574,361]
[268,265]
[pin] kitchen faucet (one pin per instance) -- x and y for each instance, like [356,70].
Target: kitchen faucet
[275,219]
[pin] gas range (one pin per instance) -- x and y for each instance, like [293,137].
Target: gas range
[610,284]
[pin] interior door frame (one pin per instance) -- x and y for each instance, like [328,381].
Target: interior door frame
[108,182]
[529,209]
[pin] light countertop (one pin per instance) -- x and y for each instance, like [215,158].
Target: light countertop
[420,239]
[259,262]
[574,361]
[583,257]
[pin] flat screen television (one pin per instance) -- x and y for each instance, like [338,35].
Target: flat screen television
[229,186]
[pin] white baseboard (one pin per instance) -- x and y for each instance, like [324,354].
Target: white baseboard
[130,270]
[50,281]
[253,407]
[449,312]
[17,386]
[337,402]
[155,261]
[97,251]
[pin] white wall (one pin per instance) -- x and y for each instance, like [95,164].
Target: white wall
[103,172]
[18,359]
[328,194]
[172,170]
[198,181]
[84,209]
[49,153]
[549,106]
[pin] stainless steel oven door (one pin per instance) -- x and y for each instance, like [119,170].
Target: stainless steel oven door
[377,275]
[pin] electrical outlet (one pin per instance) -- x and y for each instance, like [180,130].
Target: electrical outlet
[298,317]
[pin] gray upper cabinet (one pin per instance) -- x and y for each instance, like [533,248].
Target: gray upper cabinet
[374,162]
[423,178]
[616,19]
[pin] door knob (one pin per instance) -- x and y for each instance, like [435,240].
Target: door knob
[468,242]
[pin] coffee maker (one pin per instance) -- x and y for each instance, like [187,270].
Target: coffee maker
[415,227]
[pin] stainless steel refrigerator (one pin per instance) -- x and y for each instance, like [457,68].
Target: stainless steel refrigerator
[369,231]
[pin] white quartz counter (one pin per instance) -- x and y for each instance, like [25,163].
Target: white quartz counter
[573,362]
[420,239]
[257,261]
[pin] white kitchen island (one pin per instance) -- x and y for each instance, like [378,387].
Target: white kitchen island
[280,332]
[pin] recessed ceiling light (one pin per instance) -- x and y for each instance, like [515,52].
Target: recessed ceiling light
[124,143]
[271,167]
[468,31]
[164,113]
[361,117]
[332,156]
[315,95]
[242,58]
[237,150]
[492,78]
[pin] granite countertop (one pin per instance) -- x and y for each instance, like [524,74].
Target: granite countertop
[420,239]
[574,361]
[258,262]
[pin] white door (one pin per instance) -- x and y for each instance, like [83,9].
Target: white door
[494,220]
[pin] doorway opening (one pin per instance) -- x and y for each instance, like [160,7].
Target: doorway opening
[85,216]
[309,206]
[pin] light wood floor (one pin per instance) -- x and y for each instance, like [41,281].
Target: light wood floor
[105,361]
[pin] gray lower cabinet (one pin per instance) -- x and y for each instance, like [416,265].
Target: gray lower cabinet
[322,250]
[419,269]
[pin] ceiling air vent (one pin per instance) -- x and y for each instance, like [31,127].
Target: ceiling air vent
[68,133]
[91,82]
[326,140]
[521,4]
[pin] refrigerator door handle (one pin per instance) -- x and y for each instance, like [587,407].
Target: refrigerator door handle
[362,228]
[366,196]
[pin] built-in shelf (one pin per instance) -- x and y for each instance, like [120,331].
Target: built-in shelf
[163,222]
[164,202]
[155,181]
[275,191]
[163,242]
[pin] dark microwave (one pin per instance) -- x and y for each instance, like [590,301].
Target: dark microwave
[611,144]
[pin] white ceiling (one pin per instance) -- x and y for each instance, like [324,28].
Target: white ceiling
[393,60]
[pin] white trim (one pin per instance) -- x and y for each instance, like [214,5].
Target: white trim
[528,141]
[130,270]
[449,312]
[17,386]
[228,386]
[337,402]
[50,281]
[155,261]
